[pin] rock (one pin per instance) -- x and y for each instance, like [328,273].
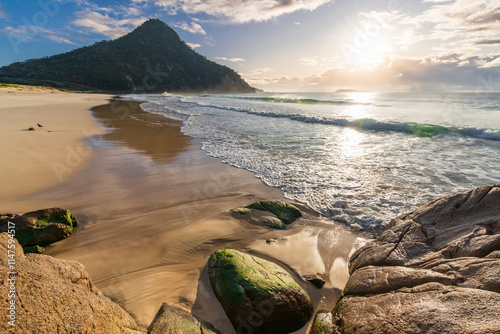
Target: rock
[173,319]
[34,249]
[40,228]
[434,270]
[273,214]
[55,296]
[270,241]
[242,211]
[31,129]
[322,324]
[272,222]
[258,296]
[316,280]
[284,211]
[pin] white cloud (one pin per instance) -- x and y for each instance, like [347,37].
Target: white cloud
[240,11]
[234,60]
[437,72]
[493,63]
[462,18]
[465,26]
[262,70]
[193,28]
[445,72]
[106,25]
[20,32]
[282,83]
[29,33]
[132,11]
[309,61]
[193,45]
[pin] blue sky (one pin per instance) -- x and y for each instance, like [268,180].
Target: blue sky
[288,45]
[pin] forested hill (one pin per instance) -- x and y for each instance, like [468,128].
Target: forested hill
[152,58]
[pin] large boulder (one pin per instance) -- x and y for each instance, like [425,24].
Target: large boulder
[50,295]
[434,270]
[270,213]
[258,296]
[173,319]
[39,228]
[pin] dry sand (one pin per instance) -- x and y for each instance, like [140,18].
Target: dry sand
[34,160]
[153,207]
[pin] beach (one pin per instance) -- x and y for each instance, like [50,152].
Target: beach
[152,205]
[35,160]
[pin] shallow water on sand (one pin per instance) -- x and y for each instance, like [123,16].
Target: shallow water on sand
[153,207]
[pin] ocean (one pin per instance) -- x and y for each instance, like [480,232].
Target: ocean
[358,158]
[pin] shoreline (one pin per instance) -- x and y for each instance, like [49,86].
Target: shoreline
[153,207]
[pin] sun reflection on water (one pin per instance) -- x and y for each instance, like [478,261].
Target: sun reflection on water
[362,97]
[349,143]
[361,102]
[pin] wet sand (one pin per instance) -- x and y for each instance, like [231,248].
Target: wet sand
[153,207]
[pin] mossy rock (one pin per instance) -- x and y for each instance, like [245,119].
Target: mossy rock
[34,249]
[173,319]
[284,211]
[322,324]
[273,222]
[257,295]
[242,211]
[270,213]
[270,241]
[42,227]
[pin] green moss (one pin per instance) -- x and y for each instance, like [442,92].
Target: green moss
[320,324]
[338,305]
[47,226]
[273,222]
[68,230]
[56,218]
[74,221]
[284,211]
[256,206]
[232,273]
[242,211]
[269,241]
[34,249]
[41,223]
[340,297]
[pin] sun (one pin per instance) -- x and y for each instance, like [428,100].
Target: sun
[373,53]
[366,50]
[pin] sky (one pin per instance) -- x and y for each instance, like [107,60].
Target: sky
[288,45]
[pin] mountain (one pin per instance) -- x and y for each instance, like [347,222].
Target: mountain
[348,91]
[152,58]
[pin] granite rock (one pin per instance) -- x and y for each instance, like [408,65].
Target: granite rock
[434,270]
[173,319]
